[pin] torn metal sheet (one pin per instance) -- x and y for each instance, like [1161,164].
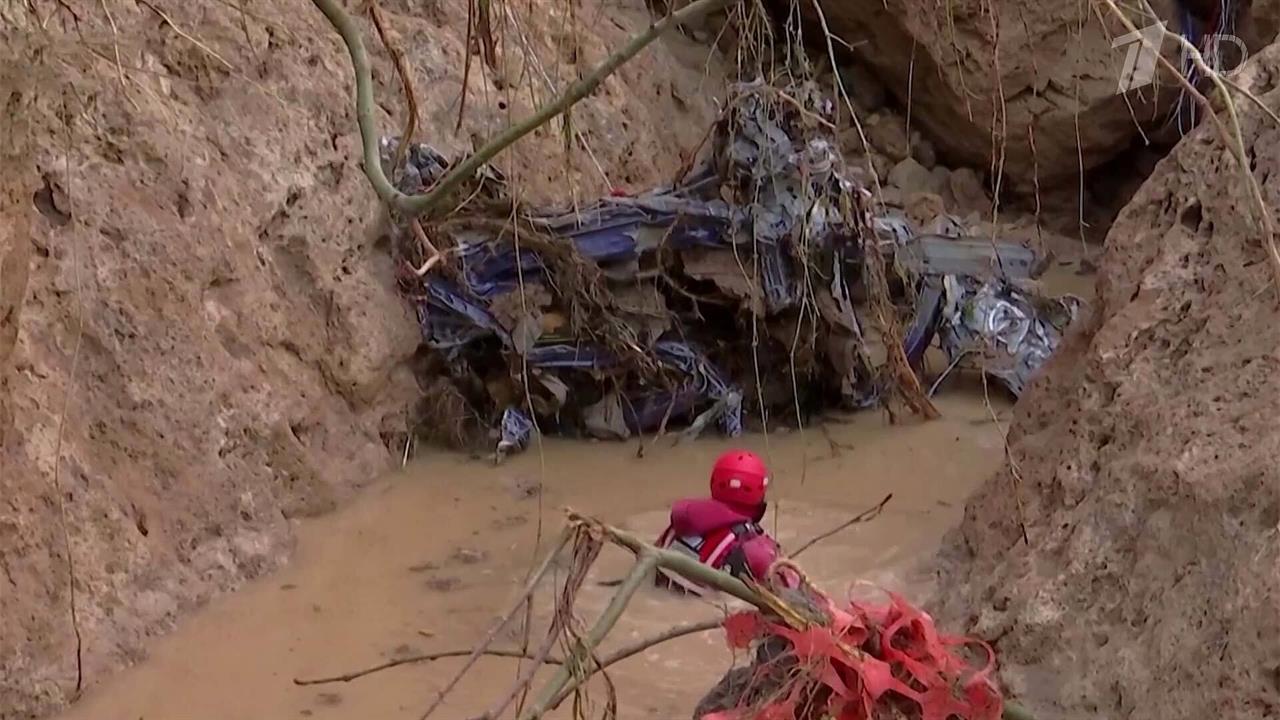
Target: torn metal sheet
[975,257]
[605,420]
[449,319]
[924,325]
[723,268]
[514,432]
[1002,324]
[643,307]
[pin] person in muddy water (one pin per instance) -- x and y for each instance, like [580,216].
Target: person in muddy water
[723,531]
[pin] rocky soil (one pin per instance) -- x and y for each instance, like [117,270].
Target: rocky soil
[1145,466]
[199,334]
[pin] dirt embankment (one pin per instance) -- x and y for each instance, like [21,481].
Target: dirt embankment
[1147,464]
[1027,89]
[199,334]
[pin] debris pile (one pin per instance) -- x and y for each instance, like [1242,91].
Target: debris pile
[858,662]
[739,292]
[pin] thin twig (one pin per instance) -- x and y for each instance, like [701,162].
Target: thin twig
[419,204]
[244,26]
[865,516]
[646,561]
[239,6]
[189,81]
[531,57]
[189,38]
[67,394]
[636,648]
[434,255]
[586,549]
[843,93]
[1015,474]
[115,44]
[662,426]
[483,645]
[466,63]
[805,112]
[210,52]
[406,81]
[613,657]
[426,657]
[933,389]
[676,562]
[1233,137]
[1253,99]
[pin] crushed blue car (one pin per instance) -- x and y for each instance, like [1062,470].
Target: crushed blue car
[736,295]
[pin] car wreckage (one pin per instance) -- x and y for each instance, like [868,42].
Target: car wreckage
[737,294]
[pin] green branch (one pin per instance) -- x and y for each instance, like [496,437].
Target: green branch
[414,205]
[679,563]
[346,27]
[645,564]
[635,649]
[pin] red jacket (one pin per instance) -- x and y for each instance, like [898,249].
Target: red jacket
[724,536]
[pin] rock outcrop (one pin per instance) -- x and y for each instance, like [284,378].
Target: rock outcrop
[1146,466]
[200,337]
[1033,83]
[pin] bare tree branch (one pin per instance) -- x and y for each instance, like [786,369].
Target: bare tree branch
[413,659]
[866,515]
[414,205]
[636,648]
[523,598]
[612,658]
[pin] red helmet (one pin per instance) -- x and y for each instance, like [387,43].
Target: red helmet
[739,477]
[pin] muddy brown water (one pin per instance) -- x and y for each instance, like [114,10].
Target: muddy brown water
[431,555]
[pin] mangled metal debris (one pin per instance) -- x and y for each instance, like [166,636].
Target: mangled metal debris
[971,301]
[736,294]
[1014,331]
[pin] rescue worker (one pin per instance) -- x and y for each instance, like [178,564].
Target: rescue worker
[723,531]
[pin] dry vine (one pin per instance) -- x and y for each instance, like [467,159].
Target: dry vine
[1232,137]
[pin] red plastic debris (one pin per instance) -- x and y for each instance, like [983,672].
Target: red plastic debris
[913,661]
[741,629]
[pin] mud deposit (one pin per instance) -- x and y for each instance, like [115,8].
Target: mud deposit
[428,557]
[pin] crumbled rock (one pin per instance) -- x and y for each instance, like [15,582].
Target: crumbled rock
[922,208]
[967,91]
[939,179]
[892,196]
[887,133]
[911,177]
[965,192]
[923,151]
